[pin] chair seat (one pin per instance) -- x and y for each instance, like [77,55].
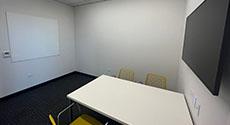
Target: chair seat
[85,120]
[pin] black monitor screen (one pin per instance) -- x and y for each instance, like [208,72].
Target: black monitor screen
[203,42]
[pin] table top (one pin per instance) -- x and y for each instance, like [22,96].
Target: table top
[133,103]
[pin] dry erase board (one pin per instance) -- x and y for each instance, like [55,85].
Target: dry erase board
[32,37]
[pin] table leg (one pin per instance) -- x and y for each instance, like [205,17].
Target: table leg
[71,111]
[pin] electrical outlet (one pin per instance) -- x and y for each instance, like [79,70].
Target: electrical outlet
[197,108]
[29,75]
[193,98]
[109,72]
[6,54]
[195,103]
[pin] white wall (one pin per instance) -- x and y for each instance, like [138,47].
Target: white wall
[142,35]
[228,119]
[215,110]
[228,123]
[192,5]
[21,75]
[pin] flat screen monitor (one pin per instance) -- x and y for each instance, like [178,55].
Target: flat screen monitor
[204,35]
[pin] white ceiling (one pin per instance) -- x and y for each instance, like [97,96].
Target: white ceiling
[78,2]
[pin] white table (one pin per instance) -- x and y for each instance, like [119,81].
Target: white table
[132,103]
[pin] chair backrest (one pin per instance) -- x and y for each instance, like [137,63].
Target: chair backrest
[126,74]
[155,80]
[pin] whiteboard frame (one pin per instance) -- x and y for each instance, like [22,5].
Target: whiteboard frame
[37,57]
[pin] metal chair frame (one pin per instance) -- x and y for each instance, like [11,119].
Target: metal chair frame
[67,108]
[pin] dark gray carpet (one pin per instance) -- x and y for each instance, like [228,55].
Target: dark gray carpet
[31,107]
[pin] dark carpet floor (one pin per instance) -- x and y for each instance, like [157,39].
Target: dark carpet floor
[31,107]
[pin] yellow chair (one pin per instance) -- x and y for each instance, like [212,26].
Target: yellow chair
[81,120]
[126,74]
[155,80]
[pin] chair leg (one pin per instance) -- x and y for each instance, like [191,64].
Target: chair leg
[60,113]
